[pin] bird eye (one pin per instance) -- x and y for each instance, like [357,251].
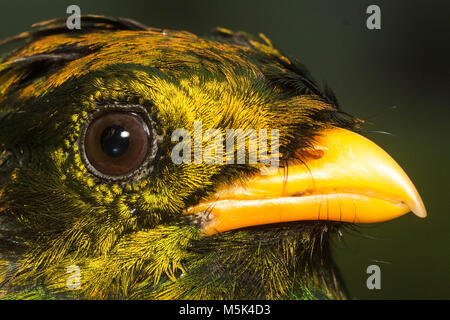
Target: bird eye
[117,143]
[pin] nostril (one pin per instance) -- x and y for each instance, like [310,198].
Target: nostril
[312,153]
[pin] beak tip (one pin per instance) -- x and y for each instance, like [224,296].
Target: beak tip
[421,213]
[419,209]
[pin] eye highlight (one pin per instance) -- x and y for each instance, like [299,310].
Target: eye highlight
[116,143]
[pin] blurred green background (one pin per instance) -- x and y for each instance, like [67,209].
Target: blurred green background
[396,78]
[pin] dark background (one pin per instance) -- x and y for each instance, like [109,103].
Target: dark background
[396,78]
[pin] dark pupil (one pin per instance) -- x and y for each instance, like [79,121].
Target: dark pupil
[115,140]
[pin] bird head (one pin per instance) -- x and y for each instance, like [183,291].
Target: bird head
[114,159]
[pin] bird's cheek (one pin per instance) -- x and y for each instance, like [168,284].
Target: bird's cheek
[345,177]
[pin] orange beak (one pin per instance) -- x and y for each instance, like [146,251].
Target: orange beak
[345,177]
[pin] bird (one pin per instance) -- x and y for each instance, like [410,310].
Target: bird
[93,205]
